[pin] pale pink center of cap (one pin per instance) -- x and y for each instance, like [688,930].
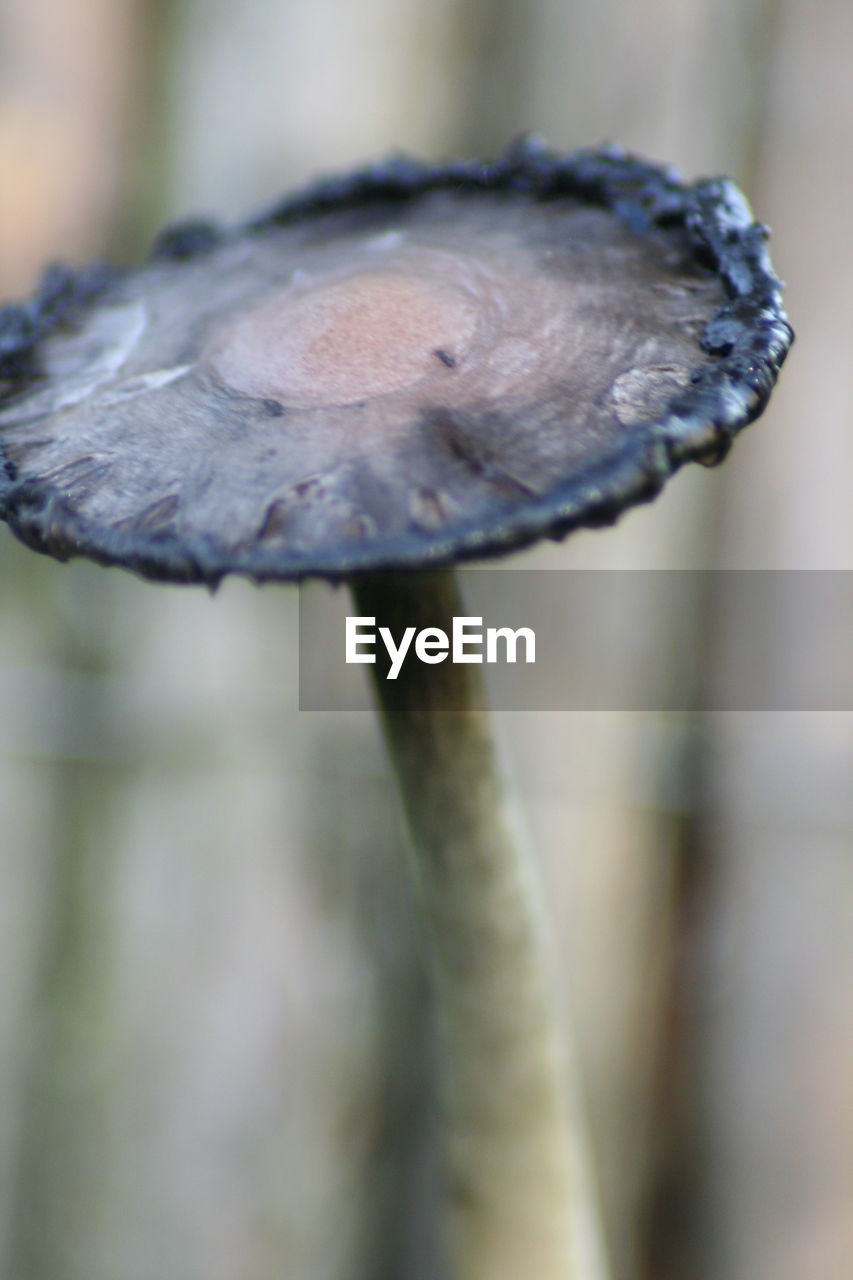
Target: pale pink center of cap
[346,340]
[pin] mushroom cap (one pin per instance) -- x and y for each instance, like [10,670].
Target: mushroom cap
[405,366]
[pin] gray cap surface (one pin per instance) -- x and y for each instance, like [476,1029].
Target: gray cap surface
[403,367]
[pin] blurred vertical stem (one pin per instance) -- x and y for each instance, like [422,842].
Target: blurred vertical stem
[516,1205]
[156,126]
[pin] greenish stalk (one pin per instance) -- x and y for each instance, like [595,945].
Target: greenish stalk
[515,1204]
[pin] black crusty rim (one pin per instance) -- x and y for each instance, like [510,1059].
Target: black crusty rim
[750,335]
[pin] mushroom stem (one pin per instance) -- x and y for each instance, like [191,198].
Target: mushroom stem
[515,1204]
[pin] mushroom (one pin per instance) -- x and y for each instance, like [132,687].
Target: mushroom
[387,373]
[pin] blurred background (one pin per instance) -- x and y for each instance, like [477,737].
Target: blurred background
[215,1058]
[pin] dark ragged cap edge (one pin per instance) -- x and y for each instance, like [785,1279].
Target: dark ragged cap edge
[61,291]
[749,335]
